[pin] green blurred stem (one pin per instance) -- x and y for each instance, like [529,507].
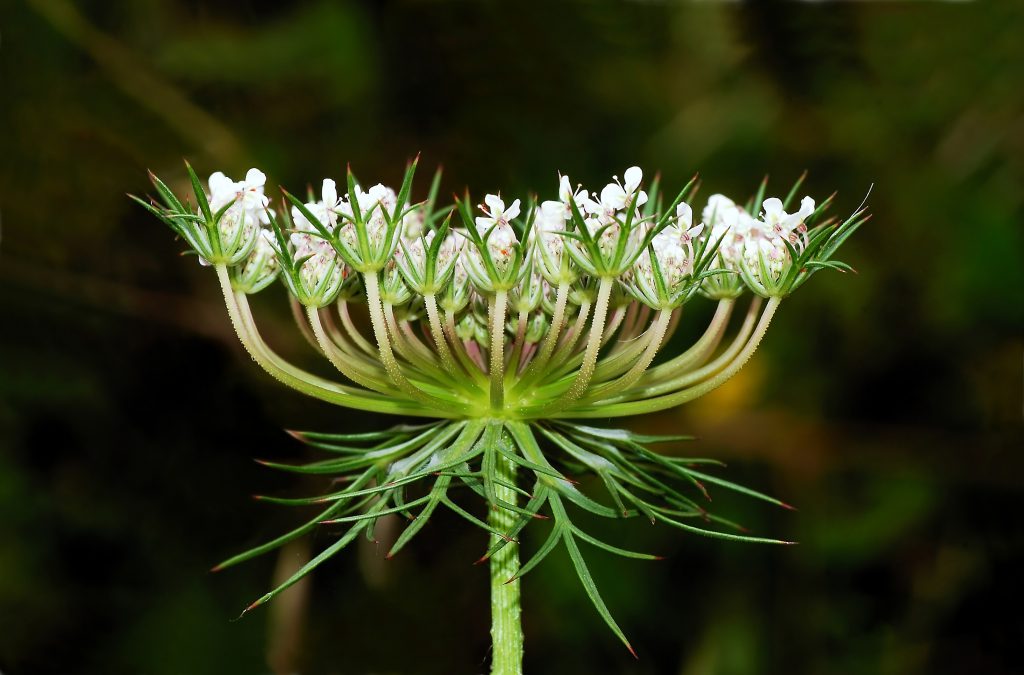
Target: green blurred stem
[506,624]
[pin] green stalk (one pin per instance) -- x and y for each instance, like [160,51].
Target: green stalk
[387,357]
[685,395]
[548,346]
[307,383]
[340,360]
[705,346]
[506,624]
[654,338]
[437,333]
[586,371]
[497,317]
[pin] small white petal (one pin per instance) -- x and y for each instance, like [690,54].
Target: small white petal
[806,207]
[632,177]
[329,192]
[512,211]
[773,209]
[564,189]
[613,196]
[494,204]
[255,178]
[684,214]
[220,183]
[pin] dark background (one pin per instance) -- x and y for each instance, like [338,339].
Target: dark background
[886,406]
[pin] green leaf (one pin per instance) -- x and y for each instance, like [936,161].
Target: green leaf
[280,541]
[167,195]
[200,193]
[720,535]
[437,493]
[547,547]
[588,581]
[625,553]
[455,508]
[324,555]
[738,488]
[375,514]
[531,512]
[364,436]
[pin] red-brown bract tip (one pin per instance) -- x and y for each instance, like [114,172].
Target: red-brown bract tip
[788,507]
[632,651]
[297,435]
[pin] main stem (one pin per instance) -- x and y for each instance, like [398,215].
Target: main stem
[506,626]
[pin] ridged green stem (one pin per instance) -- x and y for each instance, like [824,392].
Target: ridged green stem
[506,622]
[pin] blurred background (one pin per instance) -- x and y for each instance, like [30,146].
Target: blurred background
[887,406]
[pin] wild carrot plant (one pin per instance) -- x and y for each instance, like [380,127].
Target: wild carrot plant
[506,326]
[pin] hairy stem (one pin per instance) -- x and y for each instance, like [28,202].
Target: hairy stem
[437,333]
[387,356]
[506,624]
[656,334]
[299,379]
[688,394]
[497,319]
[586,371]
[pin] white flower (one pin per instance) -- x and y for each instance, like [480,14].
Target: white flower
[417,249]
[673,249]
[322,264]
[304,239]
[552,216]
[729,224]
[786,225]
[413,224]
[246,194]
[261,266]
[373,203]
[333,206]
[496,212]
[616,196]
[502,239]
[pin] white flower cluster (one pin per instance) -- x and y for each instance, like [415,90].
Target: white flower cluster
[613,232]
[746,239]
[246,204]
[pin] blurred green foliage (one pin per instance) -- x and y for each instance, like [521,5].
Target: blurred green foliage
[886,405]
